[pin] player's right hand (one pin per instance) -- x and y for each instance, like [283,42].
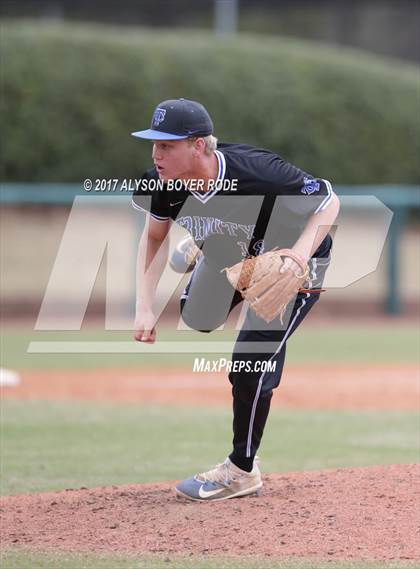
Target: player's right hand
[144,327]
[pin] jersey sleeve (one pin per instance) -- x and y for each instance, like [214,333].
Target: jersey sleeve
[150,197]
[300,192]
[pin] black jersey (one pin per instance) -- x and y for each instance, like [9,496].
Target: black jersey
[260,202]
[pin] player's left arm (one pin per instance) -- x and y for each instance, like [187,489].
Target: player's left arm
[315,231]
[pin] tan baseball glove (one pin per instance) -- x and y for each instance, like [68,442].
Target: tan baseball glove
[261,283]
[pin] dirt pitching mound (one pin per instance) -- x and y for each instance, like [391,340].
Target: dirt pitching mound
[363,513]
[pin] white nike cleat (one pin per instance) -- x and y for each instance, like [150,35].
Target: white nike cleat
[225,481]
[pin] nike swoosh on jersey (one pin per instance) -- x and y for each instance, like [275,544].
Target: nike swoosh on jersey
[207,494]
[176,203]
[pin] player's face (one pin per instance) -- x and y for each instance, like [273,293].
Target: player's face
[173,158]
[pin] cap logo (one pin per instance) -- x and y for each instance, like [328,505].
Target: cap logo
[158,116]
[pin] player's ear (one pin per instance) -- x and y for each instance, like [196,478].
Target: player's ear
[198,146]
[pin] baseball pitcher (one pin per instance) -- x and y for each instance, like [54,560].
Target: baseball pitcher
[259,231]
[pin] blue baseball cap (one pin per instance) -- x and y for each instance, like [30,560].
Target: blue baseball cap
[176,119]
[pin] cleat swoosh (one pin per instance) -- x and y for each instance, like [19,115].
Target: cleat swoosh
[209,493]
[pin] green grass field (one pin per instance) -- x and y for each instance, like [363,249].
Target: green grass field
[311,344]
[19,560]
[49,446]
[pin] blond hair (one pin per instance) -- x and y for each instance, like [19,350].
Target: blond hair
[210,143]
